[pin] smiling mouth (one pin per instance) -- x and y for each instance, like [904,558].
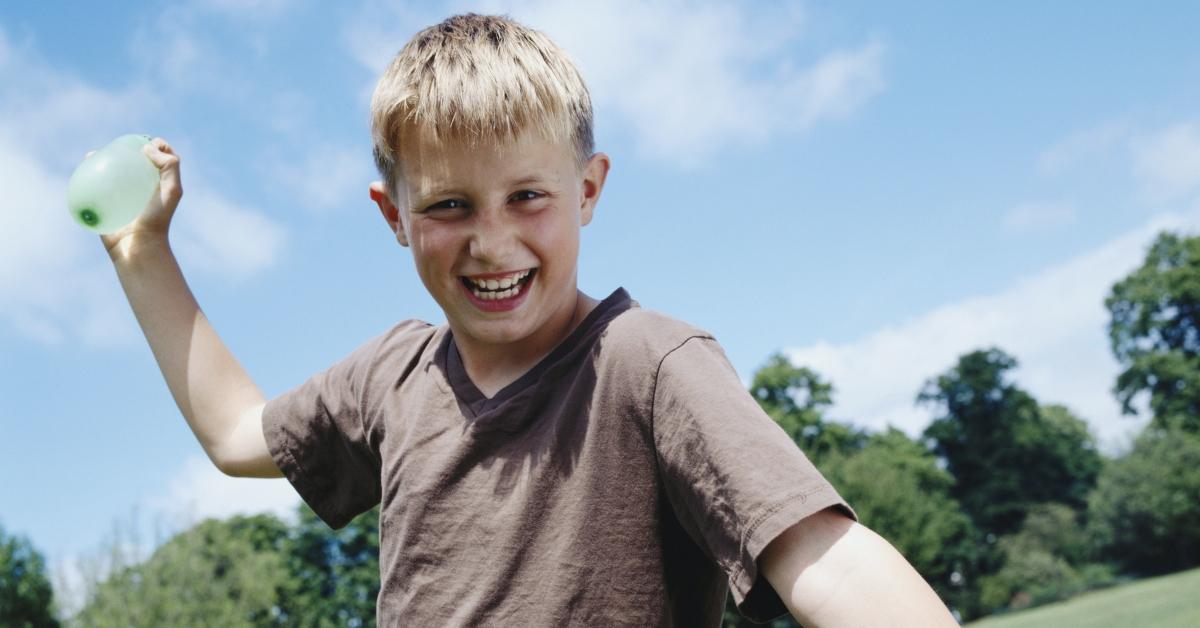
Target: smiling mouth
[498,288]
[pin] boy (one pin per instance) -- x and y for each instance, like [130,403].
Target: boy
[544,458]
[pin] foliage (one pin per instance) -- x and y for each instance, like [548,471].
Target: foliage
[1145,511]
[335,573]
[796,398]
[1053,528]
[1006,452]
[25,593]
[218,573]
[1155,332]
[255,570]
[1028,577]
[1043,562]
[1068,456]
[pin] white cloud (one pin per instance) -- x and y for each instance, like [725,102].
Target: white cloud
[186,51]
[198,490]
[1053,323]
[379,29]
[175,55]
[1082,146]
[53,118]
[328,177]
[219,237]
[56,282]
[1168,162]
[1039,216]
[688,79]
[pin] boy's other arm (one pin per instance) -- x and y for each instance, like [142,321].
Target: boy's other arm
[219,401]
[831,571]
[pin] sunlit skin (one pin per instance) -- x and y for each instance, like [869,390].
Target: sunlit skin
[491,210]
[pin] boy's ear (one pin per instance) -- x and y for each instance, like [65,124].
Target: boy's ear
[594,174]
[390,212]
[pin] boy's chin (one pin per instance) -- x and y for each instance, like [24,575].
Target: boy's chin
[491,334]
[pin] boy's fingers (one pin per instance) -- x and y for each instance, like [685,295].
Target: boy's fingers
[162,145]
[161,153]
[164,158]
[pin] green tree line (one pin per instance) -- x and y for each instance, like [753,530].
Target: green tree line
[1001,503]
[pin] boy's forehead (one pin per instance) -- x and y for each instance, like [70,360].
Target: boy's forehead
[427,165]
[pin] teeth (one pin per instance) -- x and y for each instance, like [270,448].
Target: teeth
[491,295]
[494,296]
[499,284]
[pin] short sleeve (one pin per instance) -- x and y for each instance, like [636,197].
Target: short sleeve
[316,434]
[734,478]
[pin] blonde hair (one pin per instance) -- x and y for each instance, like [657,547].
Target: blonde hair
[478,78]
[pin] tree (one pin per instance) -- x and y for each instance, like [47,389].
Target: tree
[25,593]
[1145,511]
[797,398]
[1155,332]
[218,573]
[336,573]
[1006,452]
[1069,454]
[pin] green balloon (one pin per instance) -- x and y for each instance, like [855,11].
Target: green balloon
[112,185]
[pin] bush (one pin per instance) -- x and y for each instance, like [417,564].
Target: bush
[1027,578]
[1043,562]
[1145,511]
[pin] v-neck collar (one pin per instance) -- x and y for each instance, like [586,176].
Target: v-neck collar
[479,404]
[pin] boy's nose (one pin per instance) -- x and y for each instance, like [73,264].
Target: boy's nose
[491,239]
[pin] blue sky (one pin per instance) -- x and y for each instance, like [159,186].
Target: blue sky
[874,189]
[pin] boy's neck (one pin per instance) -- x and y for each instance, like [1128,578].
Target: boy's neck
[492,367]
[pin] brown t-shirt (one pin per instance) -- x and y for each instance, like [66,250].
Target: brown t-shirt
[627,480]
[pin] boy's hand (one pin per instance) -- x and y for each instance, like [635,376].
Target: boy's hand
[155,219]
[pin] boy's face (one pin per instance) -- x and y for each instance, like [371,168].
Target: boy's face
[494,232]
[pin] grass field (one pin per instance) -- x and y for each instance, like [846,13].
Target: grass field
[1164,602]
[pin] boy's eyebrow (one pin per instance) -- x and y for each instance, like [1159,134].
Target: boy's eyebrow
[533,178]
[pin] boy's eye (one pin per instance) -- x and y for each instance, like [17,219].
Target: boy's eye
[448,205]
[525,195]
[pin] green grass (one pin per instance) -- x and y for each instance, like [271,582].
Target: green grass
[1165,602]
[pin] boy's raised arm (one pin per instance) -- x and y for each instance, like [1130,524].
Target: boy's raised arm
[218,399]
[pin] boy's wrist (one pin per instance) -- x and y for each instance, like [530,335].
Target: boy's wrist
[131,247]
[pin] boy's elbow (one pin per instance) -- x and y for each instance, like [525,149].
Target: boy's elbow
[224,461]
[242,467]
[244,452]
[224,466]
